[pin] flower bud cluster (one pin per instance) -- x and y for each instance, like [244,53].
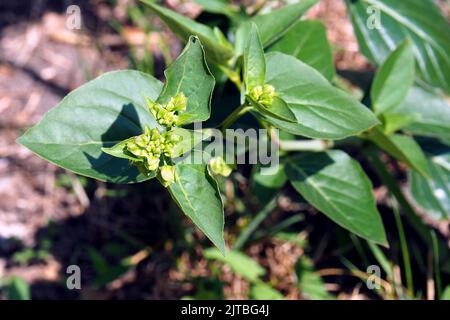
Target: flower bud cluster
[167,114]
[263,95]
[220,167]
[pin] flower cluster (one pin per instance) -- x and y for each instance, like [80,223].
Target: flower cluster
[263,95]
[167,114]
[150,145]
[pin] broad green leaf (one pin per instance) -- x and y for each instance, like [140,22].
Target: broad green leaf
[433,111]
[190,75]
[101,113]
[394,121]
[273,25]
[322,111]
[307,41]
[254,61]
[336,185]
[189,140]
[394,79]
[263,291]
[239,263]
[197,194]
[309,282]
[403,148]
[184,27]
[433,193]
[419,20]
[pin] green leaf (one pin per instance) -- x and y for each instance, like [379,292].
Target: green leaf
[197,194]
[419,20]
[265,186]
[336,185]
[272,25]
[239,263]
[101,113]
[254,61]
[432,194]
[433,111]
[279,110]
[184,28]
[190,74]
[219,7]
[310,282]
[394,79]
[307,41]
[446,293]
[18,289]
[322,111]
[263,291]
[189,140]
[394,121]
[403,148]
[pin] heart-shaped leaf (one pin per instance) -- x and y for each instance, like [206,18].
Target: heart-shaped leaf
[184,27]
[190,75]
[420,20]
[197,194]
[101,113]
[322,111]
[307,41]
[336,185]
[394,79]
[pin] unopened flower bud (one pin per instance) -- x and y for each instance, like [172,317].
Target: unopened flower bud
[177,103]
[219,166]
[167,174]
[263,94]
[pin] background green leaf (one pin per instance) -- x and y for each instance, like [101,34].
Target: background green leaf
[272,25]
[101,113]
[197,194]
[322,111]
[190,74]
[433,111]
[184,27]
[432,193]
[310,282]
[336,185]
[239,263]
[394,79]
[307,41]
[403,148]
[420,20]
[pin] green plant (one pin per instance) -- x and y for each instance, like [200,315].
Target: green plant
[127,126]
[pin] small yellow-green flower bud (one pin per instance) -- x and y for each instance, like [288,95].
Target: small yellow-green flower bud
[219,166]
[177,103]
[152,163]
[167,174]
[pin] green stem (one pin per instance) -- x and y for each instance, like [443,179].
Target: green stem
[405,250]
[305,145]
[259,218]
[236,114]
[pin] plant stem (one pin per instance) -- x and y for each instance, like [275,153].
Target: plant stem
[259,218]
[236,114]
[405,250]
[305,145]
